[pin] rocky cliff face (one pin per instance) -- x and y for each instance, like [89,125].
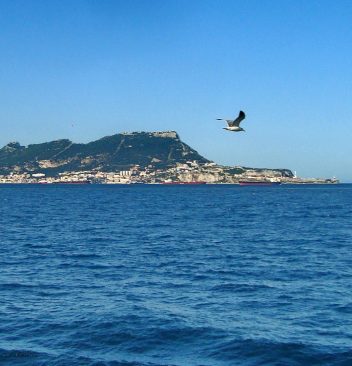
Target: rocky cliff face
[117,152]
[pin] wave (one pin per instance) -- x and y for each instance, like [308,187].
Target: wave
[22,357]
[240,287]
[265,352]
[182,347]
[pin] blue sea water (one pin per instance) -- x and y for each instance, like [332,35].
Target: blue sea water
[143,275]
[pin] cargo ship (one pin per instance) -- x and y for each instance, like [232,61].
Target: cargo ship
[74,182]
[185,183]
[258,183]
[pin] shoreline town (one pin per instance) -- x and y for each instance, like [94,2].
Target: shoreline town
[190,172]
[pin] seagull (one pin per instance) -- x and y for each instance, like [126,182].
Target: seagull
[234,125]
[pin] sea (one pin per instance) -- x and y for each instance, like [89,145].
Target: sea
[156,275]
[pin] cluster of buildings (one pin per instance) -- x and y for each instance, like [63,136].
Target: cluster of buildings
[190,172]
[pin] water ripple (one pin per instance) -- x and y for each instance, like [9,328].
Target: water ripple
[153,275]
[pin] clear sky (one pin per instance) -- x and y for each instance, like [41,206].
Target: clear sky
[85,69]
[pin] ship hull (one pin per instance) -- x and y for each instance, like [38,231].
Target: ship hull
[184,183]
[74,182]
[259,183]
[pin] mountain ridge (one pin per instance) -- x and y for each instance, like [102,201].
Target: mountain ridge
[158,149]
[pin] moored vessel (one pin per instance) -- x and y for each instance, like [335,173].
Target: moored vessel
[186,183]
[74,182]
[258,183]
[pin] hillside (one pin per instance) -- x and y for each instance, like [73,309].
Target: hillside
[111,153]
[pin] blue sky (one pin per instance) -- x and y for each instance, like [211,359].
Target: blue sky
[87,69]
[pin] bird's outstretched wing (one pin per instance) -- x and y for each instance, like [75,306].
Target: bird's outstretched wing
[236,122]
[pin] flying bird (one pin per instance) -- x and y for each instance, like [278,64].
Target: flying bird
[234,125]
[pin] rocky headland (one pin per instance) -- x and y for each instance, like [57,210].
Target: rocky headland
[135,157]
